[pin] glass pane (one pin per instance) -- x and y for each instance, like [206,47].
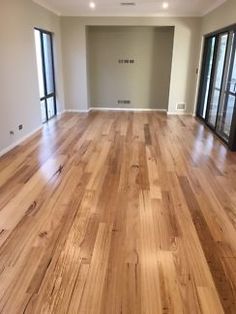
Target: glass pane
[229,94]
[208,62]
[232,79]
[228,115]
[225,116]
[51,107]
[219,69]
[48,63]
[43,111]
[39,62]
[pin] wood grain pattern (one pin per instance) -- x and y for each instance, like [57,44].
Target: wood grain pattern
[122,212]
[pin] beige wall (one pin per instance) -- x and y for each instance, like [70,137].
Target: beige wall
[145,82]
[19,103]
[184,61]
[221,17]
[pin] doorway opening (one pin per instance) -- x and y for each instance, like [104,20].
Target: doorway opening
[46,73]
[217,94]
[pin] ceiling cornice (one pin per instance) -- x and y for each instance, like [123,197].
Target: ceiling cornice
[48,7]
[213,7]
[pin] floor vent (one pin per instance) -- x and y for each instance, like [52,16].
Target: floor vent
[181,107]
[128,4]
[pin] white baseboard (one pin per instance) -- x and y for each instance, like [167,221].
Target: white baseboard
[61,113]
[176,113]
[77,111]
[126,109]
[20,141]
[114,109]
[130,109]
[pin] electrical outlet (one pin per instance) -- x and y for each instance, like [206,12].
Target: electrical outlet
[124,102]
[20,127]
[12,133]
[126,61]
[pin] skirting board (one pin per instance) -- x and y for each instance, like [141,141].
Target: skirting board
[76,111]
[130,109]
[176,113]
[114,109]
[126,109]
[20,141]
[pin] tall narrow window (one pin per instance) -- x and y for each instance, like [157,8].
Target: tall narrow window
[208,62]
[46,77]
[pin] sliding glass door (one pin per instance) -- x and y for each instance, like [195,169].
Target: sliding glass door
[45,64]
[217,94]
[217,80]
[228,97]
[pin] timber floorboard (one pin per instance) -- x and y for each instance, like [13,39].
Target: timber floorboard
[120,213]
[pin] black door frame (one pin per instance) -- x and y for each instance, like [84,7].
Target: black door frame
[202,89]
[232,136]
[53,94]
[214,128]
[231,143]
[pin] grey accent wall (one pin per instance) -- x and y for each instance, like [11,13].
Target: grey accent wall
[184,59]
[145,83]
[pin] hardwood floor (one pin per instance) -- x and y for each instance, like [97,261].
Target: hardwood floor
[118,213]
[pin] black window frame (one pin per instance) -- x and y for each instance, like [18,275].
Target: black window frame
[53,94]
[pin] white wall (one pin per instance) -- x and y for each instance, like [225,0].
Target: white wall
[19,102]
[184,62]
[221,17]
[145,82]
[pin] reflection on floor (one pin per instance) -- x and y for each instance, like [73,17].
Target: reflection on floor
[118,213]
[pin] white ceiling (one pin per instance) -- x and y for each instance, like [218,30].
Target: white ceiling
[142,7]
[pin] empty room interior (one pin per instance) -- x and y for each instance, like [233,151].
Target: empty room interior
[118,156]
